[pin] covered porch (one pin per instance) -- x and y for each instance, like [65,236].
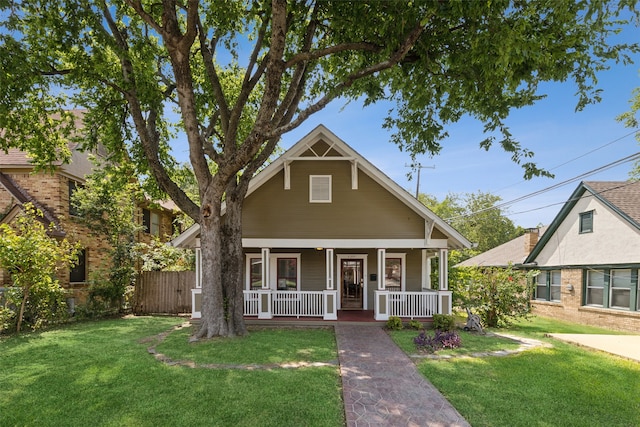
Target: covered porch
[296,280]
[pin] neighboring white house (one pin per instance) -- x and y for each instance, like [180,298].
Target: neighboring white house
[324,230]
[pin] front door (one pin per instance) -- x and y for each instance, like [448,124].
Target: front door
[352,274]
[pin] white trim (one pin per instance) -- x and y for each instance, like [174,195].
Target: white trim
[198,267]
[365,277]
[330,268]
[265,268]
[380,259]
[443,255]
[403,269]
[343,243]
[318,180]
[273,266]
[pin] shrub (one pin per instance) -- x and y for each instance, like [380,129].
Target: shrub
[444,322]
[46,304]
[438,341]
[394,323]
[415,324]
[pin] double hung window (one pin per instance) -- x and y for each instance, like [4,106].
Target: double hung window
[548,286]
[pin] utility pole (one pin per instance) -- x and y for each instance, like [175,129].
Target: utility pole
[418,166]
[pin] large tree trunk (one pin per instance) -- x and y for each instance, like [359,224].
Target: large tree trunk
[232,261]
[213,321]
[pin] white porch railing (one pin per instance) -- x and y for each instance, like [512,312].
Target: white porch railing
[413,304]
[287,303]
[251,303]
[298,304]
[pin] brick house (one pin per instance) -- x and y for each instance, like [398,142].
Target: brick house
[51,193]
[588,257]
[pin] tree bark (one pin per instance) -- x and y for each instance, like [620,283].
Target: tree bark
[213,321]
[232,259]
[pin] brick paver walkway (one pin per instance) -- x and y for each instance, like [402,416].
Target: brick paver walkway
[382,387]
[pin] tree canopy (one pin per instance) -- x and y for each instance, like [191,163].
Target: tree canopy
[233,76]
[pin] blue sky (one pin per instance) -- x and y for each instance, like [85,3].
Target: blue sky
[552,129]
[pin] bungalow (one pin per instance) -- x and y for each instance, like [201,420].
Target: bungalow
[325,230]
[588,257]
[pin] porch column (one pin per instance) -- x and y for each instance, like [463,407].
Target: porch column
[329,269]
[381,306]
[196,293]
[443,279]
[426,269]
[444,294]
[264,294]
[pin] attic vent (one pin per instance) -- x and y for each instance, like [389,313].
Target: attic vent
[320,188]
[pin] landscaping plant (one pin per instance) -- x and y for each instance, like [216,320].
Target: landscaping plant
[32,259]
[438,341]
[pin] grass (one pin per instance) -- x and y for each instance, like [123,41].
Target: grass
[100,374]
[560,386]
[471,343]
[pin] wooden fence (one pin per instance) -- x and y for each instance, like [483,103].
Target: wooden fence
[164,292]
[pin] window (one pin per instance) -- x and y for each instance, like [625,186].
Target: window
[255,273]
[78,274]
[287,274]
[393,274]
[586,222]
[155,223]
[151,222]
[320,188]
[613,288]
[548,286]
[621,284]
[595,287]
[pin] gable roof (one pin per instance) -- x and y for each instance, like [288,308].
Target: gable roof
[512,252]
[337,148]
[622,197]
[22,196]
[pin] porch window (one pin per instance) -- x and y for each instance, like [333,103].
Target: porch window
[287,274]
[393,274]
[319,188]
[548,286]
[621,284]
[586,222]
[255,273]
[595,287]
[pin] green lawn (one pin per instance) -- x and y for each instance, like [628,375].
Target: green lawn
[560,386]
[100,374]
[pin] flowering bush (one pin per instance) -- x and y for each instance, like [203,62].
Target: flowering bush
[440,340]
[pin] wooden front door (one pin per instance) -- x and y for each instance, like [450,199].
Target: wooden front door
[352,274]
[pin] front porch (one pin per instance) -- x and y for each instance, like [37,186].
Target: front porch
[269,304]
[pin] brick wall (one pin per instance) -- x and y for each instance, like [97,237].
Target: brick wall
[570,308]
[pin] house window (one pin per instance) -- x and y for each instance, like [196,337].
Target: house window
[586,222]
[287,274]
[151,222]
[548,286]
[394,273]
[595,287]
[320,188]
[621,284]
[78,274]
[255,273]
[613,288]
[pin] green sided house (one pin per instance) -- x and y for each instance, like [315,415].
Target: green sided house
[325,230]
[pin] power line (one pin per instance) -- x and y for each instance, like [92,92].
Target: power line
[579,157]
[618,162]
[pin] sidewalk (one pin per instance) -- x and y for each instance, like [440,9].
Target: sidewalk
[382,387]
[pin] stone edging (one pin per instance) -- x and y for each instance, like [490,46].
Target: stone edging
[157,339]
[525,344]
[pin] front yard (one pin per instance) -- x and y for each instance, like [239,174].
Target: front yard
[101,373]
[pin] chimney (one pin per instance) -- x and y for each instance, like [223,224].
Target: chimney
[530,239]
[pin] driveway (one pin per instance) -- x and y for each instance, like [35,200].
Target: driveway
[627,346]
